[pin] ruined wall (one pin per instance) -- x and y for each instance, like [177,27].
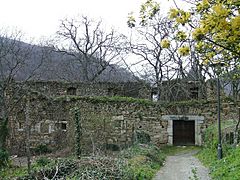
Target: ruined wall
[105,121]
[128,89]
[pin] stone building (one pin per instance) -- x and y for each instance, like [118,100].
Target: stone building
[126,89]
[107,121]
[112,115]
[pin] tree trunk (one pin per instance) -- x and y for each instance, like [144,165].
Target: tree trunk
[27,131]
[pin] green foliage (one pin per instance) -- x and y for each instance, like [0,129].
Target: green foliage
[194,172]
[138,162]
[78,132]
[112,147]
[43,161]
[104,99]
[143,161]
[48,168]
[143,137]
[192,102]
[10,173]
[172,150]
[42,149]
[226,168]
[4,158]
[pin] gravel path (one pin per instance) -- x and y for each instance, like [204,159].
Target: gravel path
[181,167]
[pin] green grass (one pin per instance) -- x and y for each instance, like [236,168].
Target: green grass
[11,172]
[172,150]
[227,168]
[143,161]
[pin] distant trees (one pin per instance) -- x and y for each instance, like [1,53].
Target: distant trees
[90,45]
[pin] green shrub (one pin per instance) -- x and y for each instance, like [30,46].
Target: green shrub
[112,147]
[143,172]
[143,137]
[4,158]
[143,161]
[42,149]
[43,161]
[135,163]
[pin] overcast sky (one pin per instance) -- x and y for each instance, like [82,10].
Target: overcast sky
[37,18]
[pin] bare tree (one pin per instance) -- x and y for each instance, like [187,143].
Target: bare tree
[155,59]
[92,47]
[157,46]
[15,56]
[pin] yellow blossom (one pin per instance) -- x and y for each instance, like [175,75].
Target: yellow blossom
[236,23]
[197,34]
[165,43]
[220,10]
[199,45]
[173,13]
[184,50]
[181,35]
[205,61]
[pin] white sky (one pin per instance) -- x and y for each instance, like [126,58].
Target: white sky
[40,18]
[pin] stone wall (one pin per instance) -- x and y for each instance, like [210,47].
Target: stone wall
[107,121]
[127,89]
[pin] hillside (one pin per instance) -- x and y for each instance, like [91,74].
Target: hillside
[46,64]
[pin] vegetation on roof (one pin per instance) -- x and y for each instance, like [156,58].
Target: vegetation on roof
[105,99]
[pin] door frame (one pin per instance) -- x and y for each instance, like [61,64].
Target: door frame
[199,120]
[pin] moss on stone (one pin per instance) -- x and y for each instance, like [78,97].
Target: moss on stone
[104,99]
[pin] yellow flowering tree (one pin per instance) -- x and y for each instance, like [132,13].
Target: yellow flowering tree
[215,22]
[163,47]
[216,30]
[214,26]
[218,24]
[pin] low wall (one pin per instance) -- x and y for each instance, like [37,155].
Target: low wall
[108,122]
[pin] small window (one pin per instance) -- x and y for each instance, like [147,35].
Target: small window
[36,127]
[154,96]
[20,126]
[51,128]
[61,126]
[64,126]
[72,91]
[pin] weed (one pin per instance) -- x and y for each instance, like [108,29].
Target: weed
[4,158]
[194,176]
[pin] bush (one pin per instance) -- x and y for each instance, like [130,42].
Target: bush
[112,147]
[43,161]
[4,158]
[143,161]
[42,149]
[143,137]
[137,162]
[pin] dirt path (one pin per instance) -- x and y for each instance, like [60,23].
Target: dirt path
[182,167]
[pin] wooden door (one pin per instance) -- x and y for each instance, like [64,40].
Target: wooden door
[183,132]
